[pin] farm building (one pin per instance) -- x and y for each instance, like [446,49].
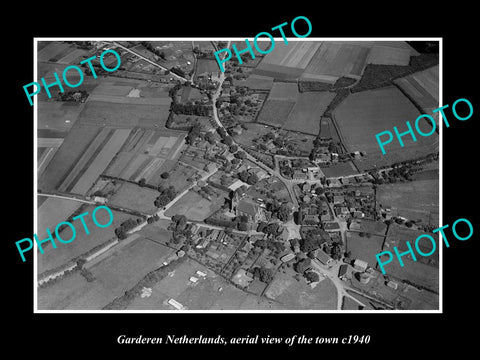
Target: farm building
[323,257]
[176,304]
[360,265]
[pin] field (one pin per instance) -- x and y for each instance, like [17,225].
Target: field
[287,61]
[334,59]
[113,276]
[195,207]
[46,149]
[275,112]
[124,114]
[340,169]
[206,66]
[283,91]
[414,200]
[209,293]
[423,88]
[72,148]
[57,115]
[82,243]
[391,53]
[135,197]
[298,295]
[53,211]
[305,115]
[94,160]
[177,53]
[60,52]
[256,82]
[364,248]
[424,271]
[363,115]
[146,154]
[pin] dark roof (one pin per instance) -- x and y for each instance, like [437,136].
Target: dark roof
[342,270]
[247,208]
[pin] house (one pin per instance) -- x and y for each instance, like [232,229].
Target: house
[288,257]
[331,226]
[345,272]
[392,284]
[360,265]
[176,304]
[323,257]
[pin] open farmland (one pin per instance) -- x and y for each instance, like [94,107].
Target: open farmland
[113,276]
[206,66]
[53,211]
[414,200]
[334,59]
[283,91]
[363,115]
[134,197]
[195,207]
[82,243]
[423,88]
[364,247]
[298,295]
[309,108]
[275,112]
[256,82]
[94,160]
[61,52]
[287,61]
[145,153]
[58,115]
[423,272]
[209,293]
[391,53]
[74,145]
[124,114]
[47,147]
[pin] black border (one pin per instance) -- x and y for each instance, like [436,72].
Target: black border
[402,333]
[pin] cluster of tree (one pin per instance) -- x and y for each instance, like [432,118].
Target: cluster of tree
[190,109]
[153,218]
[178,71]
[272,245]
[273,228]
[150,47]
[126,226]
[263,274]
[249,178]
[312,240]
[311,276]
[302,265]
[281,211]
[70,96]
[193,134]
[166,195]
[242,222]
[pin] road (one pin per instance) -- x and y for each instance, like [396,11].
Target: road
[249,157]
[331,273]
[67,198]
[150,61]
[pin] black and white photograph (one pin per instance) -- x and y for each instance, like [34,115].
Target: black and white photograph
[216,180]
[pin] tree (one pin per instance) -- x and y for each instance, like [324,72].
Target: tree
[312,276]
[242,226]
[165,175]
[252,179]
[302,265]
[284,212]
[233,148]
[240,155]
[142,182]
[263,274]
[228,140]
